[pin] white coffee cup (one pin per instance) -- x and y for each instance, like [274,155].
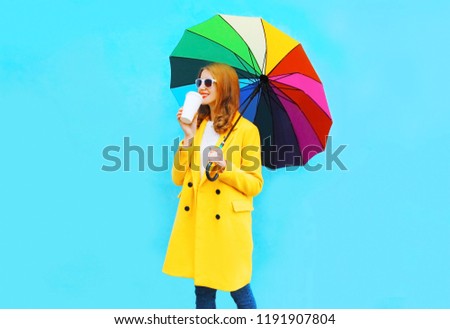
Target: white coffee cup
[191,105]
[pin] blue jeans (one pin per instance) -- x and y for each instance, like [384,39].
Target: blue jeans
[206,297]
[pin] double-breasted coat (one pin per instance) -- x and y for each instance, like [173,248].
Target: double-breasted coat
[211,239]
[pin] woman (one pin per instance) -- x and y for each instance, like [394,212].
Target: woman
[211,240]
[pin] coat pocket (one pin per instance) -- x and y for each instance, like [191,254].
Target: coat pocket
[242,205]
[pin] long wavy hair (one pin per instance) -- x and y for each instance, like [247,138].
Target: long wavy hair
[227,100]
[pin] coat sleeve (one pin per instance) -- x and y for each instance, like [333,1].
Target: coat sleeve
[181,163]
[246,178]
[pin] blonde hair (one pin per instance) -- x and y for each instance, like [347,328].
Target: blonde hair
[227,100]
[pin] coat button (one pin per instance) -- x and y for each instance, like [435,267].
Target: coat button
[217,216]
[190,184]
[186,208]
[217,191]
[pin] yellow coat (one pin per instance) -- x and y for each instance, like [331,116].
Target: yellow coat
[211,239]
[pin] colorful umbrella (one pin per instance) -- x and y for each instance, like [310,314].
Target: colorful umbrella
[281,92]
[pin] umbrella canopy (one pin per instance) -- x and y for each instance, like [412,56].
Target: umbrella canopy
[281,92]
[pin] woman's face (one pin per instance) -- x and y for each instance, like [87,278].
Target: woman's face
[209,94]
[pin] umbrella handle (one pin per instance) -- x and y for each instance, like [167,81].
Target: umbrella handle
[208,167]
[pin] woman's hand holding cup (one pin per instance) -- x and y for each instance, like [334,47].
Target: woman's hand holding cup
[188,129]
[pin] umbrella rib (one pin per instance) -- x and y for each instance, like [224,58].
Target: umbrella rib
[265,51]
[206,62]
[269,97]
[223,46]
[247,83]
[252,56]
[249,99]
[285,97]
[275,98]
[278,77]
[240,61]
[283,58]
[265,58]
[298,89]
[287,87]
[266,97]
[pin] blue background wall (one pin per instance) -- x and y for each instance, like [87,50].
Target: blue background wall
[77,76]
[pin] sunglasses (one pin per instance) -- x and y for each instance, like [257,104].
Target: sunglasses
[208,82]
